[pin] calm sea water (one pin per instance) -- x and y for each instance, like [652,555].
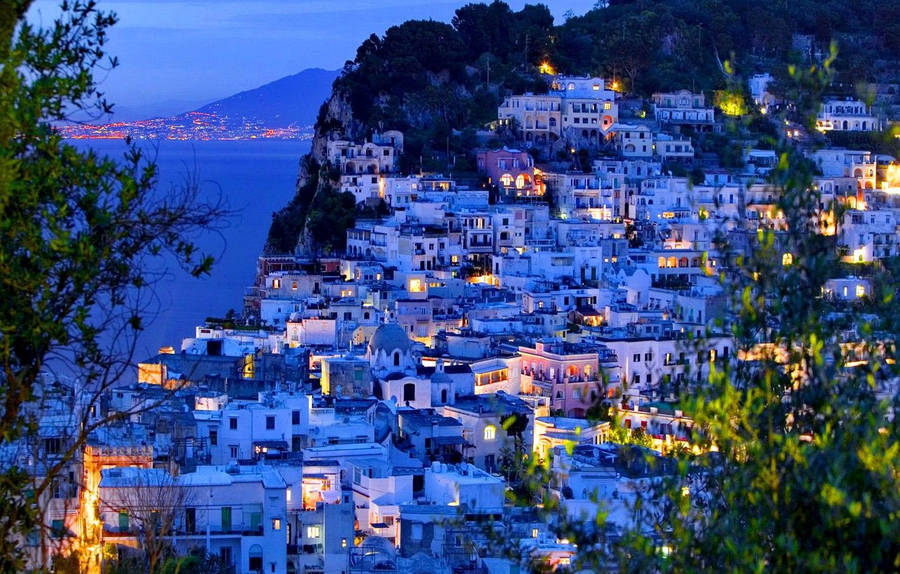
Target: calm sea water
[256,178]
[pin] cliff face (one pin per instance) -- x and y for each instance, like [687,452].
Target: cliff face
[288,232]
[335,121]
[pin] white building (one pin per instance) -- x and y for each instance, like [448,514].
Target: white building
[846,115]
[236,512]
[683,108]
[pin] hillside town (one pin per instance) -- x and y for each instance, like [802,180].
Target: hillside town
[369,410]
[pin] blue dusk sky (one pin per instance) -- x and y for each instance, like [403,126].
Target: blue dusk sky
[177,54]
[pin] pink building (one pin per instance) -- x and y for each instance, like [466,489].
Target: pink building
[568,374]
[511,170]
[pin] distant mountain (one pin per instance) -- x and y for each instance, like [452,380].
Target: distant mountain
[160,109]
[290,100]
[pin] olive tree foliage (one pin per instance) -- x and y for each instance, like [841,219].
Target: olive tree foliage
[79,234]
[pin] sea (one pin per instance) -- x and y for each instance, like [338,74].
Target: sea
[255,178]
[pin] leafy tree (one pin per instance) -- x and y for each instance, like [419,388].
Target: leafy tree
[78,235]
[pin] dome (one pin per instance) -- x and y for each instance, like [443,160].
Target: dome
[389,337]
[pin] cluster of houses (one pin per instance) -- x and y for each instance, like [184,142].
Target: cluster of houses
[375,414]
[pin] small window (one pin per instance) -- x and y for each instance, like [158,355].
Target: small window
[232,423]
[213,437]
[295,417]
[276,524]
[270,423]
[490,432]
[313,531]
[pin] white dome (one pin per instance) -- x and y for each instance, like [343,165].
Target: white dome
[389,338]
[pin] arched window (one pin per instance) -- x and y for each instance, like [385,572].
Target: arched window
[396,358]
[787,259]
[444,396]
[490,432]
[409,392]
[256,558]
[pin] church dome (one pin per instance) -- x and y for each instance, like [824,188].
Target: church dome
[389,338]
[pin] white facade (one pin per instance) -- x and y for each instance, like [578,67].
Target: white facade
[846,115]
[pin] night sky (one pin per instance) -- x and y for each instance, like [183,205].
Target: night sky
[175,55]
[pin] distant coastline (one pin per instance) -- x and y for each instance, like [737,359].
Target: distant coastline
[283,110]
[190,126]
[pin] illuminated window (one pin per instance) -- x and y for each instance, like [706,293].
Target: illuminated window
[520,181]
[276,524]
[287,494]
[860,291]
[313,531]
[276,283]
[534,532]
[607,106]
[506,179]
[416,286]
[672,262]
[343,542]
[294,285]
[490,432]
[787,259]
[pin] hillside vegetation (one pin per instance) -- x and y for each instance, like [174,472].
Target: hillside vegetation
[439,82]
